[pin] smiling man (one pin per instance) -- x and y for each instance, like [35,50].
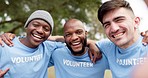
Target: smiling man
[73,60]
[125,51]
[30,55]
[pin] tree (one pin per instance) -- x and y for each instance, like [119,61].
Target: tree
[13,14]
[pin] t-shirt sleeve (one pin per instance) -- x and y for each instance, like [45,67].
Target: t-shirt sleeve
[103,45]
[52,45]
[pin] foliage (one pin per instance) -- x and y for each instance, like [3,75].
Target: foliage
[14,13]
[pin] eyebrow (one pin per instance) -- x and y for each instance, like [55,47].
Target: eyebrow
[118,17]
[114,19]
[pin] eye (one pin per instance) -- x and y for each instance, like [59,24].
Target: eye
[79,32]
[68,35]
[119,20]
[106,25]
[46,28]
[35,24]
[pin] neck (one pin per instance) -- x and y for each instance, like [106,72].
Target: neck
[81,52]
[26,42]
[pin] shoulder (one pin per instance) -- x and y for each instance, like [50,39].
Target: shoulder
[53,43]
[104,43]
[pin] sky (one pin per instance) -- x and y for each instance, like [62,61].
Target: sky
[140,10]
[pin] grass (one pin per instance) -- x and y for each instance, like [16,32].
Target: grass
[52,73]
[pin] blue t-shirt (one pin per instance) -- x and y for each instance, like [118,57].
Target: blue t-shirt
[122,61]
[25,62]
[70,66]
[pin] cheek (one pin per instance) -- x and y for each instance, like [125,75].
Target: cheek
[67,40]
[107,32]
[47,34]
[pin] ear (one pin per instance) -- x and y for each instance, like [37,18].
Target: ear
[86,33]
[137,22]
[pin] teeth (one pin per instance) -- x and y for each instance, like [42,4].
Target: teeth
[76,43]
[37,36]
[118,35]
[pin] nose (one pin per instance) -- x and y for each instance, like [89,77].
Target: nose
[74,37]
[114,27]
[40,29]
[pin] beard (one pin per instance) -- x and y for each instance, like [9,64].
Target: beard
[81,51]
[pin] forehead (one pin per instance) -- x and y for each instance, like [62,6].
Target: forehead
[39,21]
[116,13]
[73,26]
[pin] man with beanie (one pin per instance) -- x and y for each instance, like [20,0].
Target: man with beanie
[29,57]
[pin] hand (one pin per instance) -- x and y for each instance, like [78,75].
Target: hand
[145,37]
[7,38]
[140,71]
[94,52]
[2,73]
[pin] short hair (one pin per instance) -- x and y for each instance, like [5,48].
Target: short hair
[112,5]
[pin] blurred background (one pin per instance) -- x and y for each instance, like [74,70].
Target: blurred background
[14,13]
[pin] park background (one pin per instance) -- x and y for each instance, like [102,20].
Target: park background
[14,13]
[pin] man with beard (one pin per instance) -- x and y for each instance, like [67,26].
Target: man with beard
[73,61]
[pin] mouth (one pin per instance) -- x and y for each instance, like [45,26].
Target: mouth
[37,37]
[76,44]
[118,35]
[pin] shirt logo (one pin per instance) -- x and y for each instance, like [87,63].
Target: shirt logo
[26,59]
[77,64]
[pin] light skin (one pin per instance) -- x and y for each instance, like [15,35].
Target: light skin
[120,26]
[141,71]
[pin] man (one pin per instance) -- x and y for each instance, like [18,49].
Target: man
[73,61]
[30,56]
[125,51]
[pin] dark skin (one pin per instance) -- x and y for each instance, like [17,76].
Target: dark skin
[3,72]
[36,27]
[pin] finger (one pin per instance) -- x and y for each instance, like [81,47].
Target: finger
[12,36]
[94,58]
[90,55]
[142,33]
[9,37]
[146,33]
[6,39]
[5,71]
[145,40]
[2,73]
[99,56]
[1,42]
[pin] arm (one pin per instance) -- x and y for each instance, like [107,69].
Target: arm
[94,51]
[2,73]
[56,38]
